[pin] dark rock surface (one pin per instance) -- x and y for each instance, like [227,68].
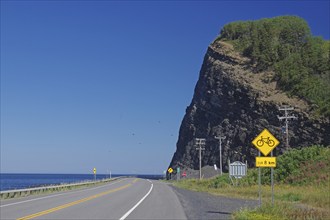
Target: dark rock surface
[232,99]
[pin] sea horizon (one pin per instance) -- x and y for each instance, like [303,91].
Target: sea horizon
[85,173]
[12,181]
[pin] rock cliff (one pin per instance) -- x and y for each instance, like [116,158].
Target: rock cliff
[234,100]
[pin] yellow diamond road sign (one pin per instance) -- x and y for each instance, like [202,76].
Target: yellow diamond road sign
[265,142]
[170,170]
[94,170]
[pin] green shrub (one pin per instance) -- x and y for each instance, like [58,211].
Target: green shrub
[309,165]
[304,166]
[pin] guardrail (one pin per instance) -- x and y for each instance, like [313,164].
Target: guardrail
[53,188]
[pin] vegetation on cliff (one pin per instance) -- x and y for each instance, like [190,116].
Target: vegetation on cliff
[285,44]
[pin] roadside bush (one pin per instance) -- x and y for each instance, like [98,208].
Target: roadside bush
[221,181]
[304,166]
[309,165]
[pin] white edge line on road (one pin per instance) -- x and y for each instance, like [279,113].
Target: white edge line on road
[67,193]
[137,204]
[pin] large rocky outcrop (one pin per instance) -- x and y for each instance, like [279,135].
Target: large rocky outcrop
[232,99]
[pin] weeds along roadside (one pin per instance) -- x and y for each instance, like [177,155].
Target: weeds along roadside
[301,190]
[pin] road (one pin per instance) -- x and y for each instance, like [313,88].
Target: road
[204,206]
[128,198]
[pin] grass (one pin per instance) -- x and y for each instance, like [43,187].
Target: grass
[281,211]
[291,202]
[307,197]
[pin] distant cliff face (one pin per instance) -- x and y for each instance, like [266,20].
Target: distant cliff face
[232,100]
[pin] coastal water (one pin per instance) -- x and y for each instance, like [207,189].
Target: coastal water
[10,181]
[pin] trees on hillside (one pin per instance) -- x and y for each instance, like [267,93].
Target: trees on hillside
[285,44]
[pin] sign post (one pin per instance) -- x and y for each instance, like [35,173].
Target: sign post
[272,179]
[265,142]
[170,171]
[259,182]
[94,171]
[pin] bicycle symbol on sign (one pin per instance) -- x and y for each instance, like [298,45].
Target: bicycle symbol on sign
[267,140]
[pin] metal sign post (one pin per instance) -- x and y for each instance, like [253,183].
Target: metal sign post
[94,171]
[259,182]
[265,142]
[272,180]
[170,171]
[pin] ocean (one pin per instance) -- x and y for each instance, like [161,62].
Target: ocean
[10,181]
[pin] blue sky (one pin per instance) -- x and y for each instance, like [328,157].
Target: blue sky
[105,84]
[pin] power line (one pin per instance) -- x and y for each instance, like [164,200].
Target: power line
[220,150]
[200,142]
[286,116]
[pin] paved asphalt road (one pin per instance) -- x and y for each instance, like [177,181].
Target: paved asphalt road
[128,198]
[123,199]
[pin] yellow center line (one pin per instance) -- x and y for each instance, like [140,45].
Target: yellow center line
[72,203]
[134,181]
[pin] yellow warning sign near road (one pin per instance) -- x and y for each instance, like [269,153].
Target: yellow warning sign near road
[265,161]
[94,170]
[265,142]
[170,170]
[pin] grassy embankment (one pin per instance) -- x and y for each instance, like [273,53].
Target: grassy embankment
[301,191]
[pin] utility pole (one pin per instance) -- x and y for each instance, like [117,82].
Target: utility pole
[286,116]
[200,142]
[220,150]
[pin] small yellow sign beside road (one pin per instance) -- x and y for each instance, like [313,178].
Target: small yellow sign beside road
[170,170]
[265,142]
[265,161]
[94,170]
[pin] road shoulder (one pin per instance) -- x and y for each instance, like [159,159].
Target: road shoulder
[202,205]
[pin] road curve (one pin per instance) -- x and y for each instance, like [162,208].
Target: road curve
[128,198]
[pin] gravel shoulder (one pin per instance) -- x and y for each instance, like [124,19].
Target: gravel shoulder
[201,205]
